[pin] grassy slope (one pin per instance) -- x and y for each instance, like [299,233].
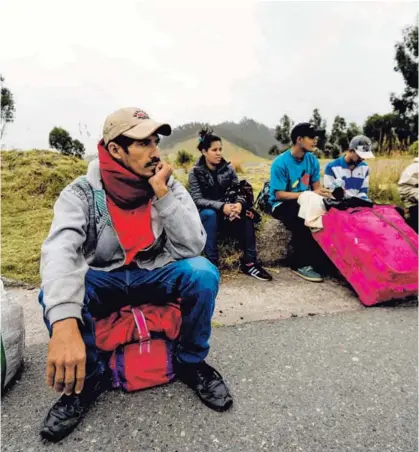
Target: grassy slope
[384,176]
[31,182]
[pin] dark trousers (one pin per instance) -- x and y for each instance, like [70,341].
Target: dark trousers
[243,230]
[193,280]
[413,218]
[306,249]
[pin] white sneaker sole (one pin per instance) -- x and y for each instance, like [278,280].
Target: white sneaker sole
[257,277]
[307,278]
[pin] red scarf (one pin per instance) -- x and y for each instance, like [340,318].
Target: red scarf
[125,188]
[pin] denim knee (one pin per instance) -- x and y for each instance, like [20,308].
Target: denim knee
[201,273]
[208,215]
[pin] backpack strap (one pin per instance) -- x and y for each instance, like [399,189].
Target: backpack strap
[82,185]
[143,332]
[98,213]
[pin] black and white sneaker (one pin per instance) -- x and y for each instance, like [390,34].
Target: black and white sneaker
[257,271]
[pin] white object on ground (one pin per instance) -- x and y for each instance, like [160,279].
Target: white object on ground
[12,334]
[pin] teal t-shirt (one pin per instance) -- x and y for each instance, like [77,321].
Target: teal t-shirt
[292,175]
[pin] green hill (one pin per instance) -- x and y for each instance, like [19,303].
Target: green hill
[231,152]
[31,182]
[247,134]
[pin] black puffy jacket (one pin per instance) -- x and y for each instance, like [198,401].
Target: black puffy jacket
[202,186]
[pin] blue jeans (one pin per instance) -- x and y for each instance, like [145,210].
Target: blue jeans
[193,280]
[243,230]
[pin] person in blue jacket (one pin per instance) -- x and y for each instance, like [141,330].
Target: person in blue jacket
[350,171]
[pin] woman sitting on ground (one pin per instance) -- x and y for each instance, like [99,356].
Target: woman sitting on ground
[209,181]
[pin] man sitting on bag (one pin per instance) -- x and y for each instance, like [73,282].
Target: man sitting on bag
[350,172]
[127,233]
[292,173]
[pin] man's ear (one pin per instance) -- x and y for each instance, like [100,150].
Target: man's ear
[115,150]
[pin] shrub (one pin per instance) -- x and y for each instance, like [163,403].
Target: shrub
[318,153]
[413,149]
[184,159]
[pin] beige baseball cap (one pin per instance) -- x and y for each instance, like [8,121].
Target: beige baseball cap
[133,123]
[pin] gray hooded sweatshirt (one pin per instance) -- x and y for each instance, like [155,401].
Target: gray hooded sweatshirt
[82,236]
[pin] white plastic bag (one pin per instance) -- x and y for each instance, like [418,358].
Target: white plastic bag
[12,335]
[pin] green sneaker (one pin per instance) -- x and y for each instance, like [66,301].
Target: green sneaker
[308,274]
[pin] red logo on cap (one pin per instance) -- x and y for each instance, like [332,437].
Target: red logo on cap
[140,114]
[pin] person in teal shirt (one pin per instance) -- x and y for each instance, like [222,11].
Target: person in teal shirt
[292,173]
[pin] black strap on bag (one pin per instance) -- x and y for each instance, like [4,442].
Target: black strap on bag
[348,203]
[262,203]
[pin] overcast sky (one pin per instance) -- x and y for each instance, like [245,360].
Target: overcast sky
[70,64]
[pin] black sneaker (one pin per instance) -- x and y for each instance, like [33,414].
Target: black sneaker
[207,383]
[257,271]
[67,412]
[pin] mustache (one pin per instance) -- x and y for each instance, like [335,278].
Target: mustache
[152,162]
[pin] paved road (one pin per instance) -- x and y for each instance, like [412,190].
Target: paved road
[341,382]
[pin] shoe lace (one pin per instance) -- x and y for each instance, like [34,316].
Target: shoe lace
[308,268]
[67,404]
[206,373]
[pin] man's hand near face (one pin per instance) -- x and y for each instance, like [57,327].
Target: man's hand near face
[159,181]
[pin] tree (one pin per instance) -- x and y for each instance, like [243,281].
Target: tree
[353,130]
[283,130]
[274,150]
[78,149]
[316,119]
[183,159]
[332,150]
[319,123]
[7,107]
[406,105]
[383,130]
[407,57]
[61,140]
[339,136]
